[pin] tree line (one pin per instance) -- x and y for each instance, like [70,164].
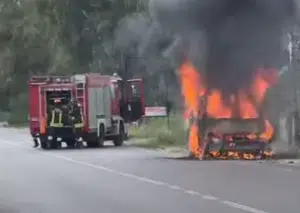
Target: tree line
[63,37]
[73,36]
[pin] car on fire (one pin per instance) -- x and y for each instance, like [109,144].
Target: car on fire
[234,138]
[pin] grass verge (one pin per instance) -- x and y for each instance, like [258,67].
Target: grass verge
[18,120]
[18,115]
[155,133]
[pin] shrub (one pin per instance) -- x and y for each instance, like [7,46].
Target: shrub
[155,132]
[19,111]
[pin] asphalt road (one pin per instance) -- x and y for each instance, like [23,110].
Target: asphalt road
[133,180]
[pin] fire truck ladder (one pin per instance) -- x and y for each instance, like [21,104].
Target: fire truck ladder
[80,94]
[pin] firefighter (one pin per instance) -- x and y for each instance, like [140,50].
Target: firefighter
[54,119]
[77,121]
[44,123]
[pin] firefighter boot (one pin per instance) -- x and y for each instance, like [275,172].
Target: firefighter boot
[79,143]
[36,143]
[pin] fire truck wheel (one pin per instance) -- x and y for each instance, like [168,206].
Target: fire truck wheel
[92,141]
[100,139]
[119,139]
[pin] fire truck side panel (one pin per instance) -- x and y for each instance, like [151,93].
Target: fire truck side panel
[90,103]
[99,100]
[86,107]
[115,107]
[107,100]
[103,107]
[92,97]
[43,104]
[109,121]
[34,108]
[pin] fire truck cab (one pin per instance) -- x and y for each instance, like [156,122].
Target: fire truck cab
[108,105]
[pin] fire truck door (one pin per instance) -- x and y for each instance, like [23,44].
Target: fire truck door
[136,100]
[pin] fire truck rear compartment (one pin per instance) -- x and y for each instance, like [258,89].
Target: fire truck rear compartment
[65,133]
[50,95]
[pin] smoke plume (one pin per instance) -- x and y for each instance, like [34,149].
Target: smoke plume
[228,40]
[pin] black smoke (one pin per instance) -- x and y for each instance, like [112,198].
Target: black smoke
[232,38]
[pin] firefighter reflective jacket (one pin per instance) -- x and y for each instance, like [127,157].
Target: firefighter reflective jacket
[77,117]
[56,118]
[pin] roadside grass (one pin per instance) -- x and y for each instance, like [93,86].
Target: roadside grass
[18,115]
[18,119]
[155,133]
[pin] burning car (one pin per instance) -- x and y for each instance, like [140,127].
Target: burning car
[234,138]
[231,129]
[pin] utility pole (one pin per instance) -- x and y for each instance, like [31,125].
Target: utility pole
[294,67]
[167,101]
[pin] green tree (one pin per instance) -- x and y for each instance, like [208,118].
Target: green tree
[31,44]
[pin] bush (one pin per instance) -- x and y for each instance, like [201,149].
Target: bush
[4,116]
[155,133]
[19,111]
[18,118]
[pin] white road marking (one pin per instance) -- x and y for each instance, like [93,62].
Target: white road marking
[159,183]
[208,197]
[191,192]
[148,180]
[242,207]
[174,187]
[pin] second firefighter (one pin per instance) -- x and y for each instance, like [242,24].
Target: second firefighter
[77,121]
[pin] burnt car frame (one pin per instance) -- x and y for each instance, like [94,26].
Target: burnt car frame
[233,138]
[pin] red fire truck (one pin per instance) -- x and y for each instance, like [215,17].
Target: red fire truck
[108,105]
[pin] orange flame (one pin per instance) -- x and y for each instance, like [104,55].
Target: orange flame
[269,131]
[215,106]
[193,88]
[194,141]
